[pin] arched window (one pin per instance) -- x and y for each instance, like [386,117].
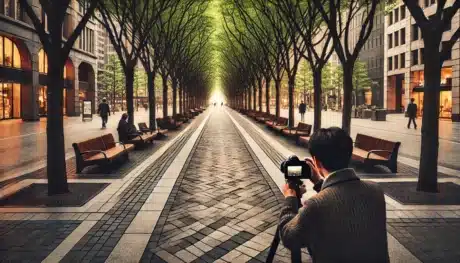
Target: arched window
[43,63]
[9,53]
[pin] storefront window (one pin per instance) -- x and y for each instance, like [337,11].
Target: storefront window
[43,100]
[42,62]
[10,100]
[9,53]
[445,104]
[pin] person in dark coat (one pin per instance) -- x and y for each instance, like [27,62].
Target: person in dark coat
[412,113]
[125,130]
[302,110]
[104,112]
[346,220]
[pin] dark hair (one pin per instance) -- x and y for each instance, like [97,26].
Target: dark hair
[124,116]
[412,99]
[332,147]
[104,100]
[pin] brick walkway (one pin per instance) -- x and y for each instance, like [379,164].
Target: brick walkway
[225,207]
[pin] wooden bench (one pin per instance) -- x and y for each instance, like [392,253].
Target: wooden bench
[145,129]
[281,124]
[302,130]
[193,112]
[101,150]
[181,117]
[374,151]
[265,117]
[168,123]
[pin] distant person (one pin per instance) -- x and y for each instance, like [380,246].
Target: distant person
[302,110]
[412,113]
[221,104]
[125,130]
[104,111]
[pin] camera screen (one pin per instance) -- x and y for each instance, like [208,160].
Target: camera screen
[294,171]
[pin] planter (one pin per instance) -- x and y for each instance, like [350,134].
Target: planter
[379,115]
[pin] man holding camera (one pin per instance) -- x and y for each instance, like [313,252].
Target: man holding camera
[346,220]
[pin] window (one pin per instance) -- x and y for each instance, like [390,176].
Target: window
[403,36]
[390,63]
[403,12]
[415,32]
[8,8]
[414,55]
[403,60]
[396,62]
[390,18]
[396,15]
[10,56]
[396,38]
[42,62]
[449,54]
[390,41]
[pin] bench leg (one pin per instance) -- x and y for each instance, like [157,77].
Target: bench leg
[393,167]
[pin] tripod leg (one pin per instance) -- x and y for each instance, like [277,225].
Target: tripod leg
[273,247]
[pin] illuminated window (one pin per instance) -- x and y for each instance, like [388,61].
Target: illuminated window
[9,53]
[42,62]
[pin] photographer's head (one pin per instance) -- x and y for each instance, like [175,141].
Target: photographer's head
[331,149]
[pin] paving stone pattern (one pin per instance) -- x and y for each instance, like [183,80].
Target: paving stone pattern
[99,242]
[429,239]
[36,195]
[407,194]
[224,206]
[32,241]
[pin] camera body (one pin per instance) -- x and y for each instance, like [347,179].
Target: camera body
[295,169]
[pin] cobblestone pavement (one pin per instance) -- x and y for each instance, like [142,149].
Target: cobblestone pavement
[97,244]
[224,207]
[32,241]
[430,239]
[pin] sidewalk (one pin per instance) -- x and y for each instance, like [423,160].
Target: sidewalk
[212,194]
[395,129]
[23,144]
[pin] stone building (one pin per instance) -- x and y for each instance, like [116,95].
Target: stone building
[404,59]
[24,65]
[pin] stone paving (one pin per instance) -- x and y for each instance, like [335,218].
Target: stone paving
[32,241]
[209,195]
[224,208]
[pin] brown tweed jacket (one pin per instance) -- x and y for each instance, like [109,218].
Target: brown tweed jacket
[344,222]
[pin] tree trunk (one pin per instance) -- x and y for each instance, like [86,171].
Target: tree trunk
[174,89]
[317,75]
[181,103]
[165,96]
[249,98]
[291,102]
[267,94]
[129,78]
[260,94]
[254,87]
[152,102]
[428,173]
[347,97]
[277,94]
[55,163]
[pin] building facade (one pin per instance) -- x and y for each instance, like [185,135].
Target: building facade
[24,64]
[372,55]
[404,63]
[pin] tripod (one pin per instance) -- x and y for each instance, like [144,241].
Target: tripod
[296,256]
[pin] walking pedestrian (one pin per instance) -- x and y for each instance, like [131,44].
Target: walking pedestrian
[302,110]
[104,112]
[412,113]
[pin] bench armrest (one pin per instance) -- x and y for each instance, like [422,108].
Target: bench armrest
[378,151]
[122,144]
[94,151]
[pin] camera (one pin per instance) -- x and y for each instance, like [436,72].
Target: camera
[295,169]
